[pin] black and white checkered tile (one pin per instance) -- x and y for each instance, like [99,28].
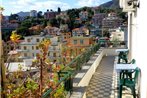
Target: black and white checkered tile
[79,91]
[104,82]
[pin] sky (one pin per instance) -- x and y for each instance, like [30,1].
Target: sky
[14,6]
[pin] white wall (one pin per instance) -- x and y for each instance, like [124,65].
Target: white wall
[141,46]
[137,42]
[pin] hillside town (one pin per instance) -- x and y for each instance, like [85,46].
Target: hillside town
[61,54]
[73,28]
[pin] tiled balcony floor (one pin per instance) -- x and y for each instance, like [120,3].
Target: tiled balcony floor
[102,84]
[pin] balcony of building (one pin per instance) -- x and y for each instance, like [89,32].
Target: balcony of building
[97,77]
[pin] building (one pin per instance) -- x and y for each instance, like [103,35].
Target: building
[117,34]
[78,43]
[64,28]
[78,21]
[111,22]
[65,36]
[10,24]
[83,15]
[81,41]
[52,31]
[7,47]
[29,48]
[33,13]
[98,18]
[55,50]
[80,32]
[63,16]
[36,29]
[94,31]
[50,14]
[25,66]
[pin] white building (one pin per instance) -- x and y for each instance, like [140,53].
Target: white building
[137,37]
[29,47]
[33,13]
[55,49]
[83,15]
[23,66]
[116,34]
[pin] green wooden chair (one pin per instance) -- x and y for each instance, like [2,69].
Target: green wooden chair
[131,83]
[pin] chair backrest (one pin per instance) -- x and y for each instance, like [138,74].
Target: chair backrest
[133,61]
[137,74]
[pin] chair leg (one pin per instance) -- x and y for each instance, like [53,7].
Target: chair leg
[118,60]
[120,91]
[120,75]
[134,92]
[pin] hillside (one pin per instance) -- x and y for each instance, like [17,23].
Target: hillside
[111,4]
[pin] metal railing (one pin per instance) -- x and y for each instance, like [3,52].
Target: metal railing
[111,44]
[76,65]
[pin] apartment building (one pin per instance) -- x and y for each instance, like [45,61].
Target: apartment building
[111,22]
[52,31]
[98,18]
[29,47]
[65,36]
[80,32]
[117,34]
[33,13]
[50,14]
[54,52]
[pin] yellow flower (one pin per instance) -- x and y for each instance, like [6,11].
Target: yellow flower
[45,44]
[15,37]
[1,8]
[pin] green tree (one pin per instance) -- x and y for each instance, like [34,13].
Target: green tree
[23,31]
[13,17]
[39,14]
[54,22]
[44,23]
[26,23]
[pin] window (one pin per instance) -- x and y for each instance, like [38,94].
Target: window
[54,54]
[25,48]
[25,55]
[54,48]
[18,47]
[75,41]
[32,47]
[37,40]
[28,40]
[37,47]
[119,34]
[81,41]
[33,55]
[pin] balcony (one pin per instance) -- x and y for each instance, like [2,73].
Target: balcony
[96,77]
[100,80]
[91,76]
